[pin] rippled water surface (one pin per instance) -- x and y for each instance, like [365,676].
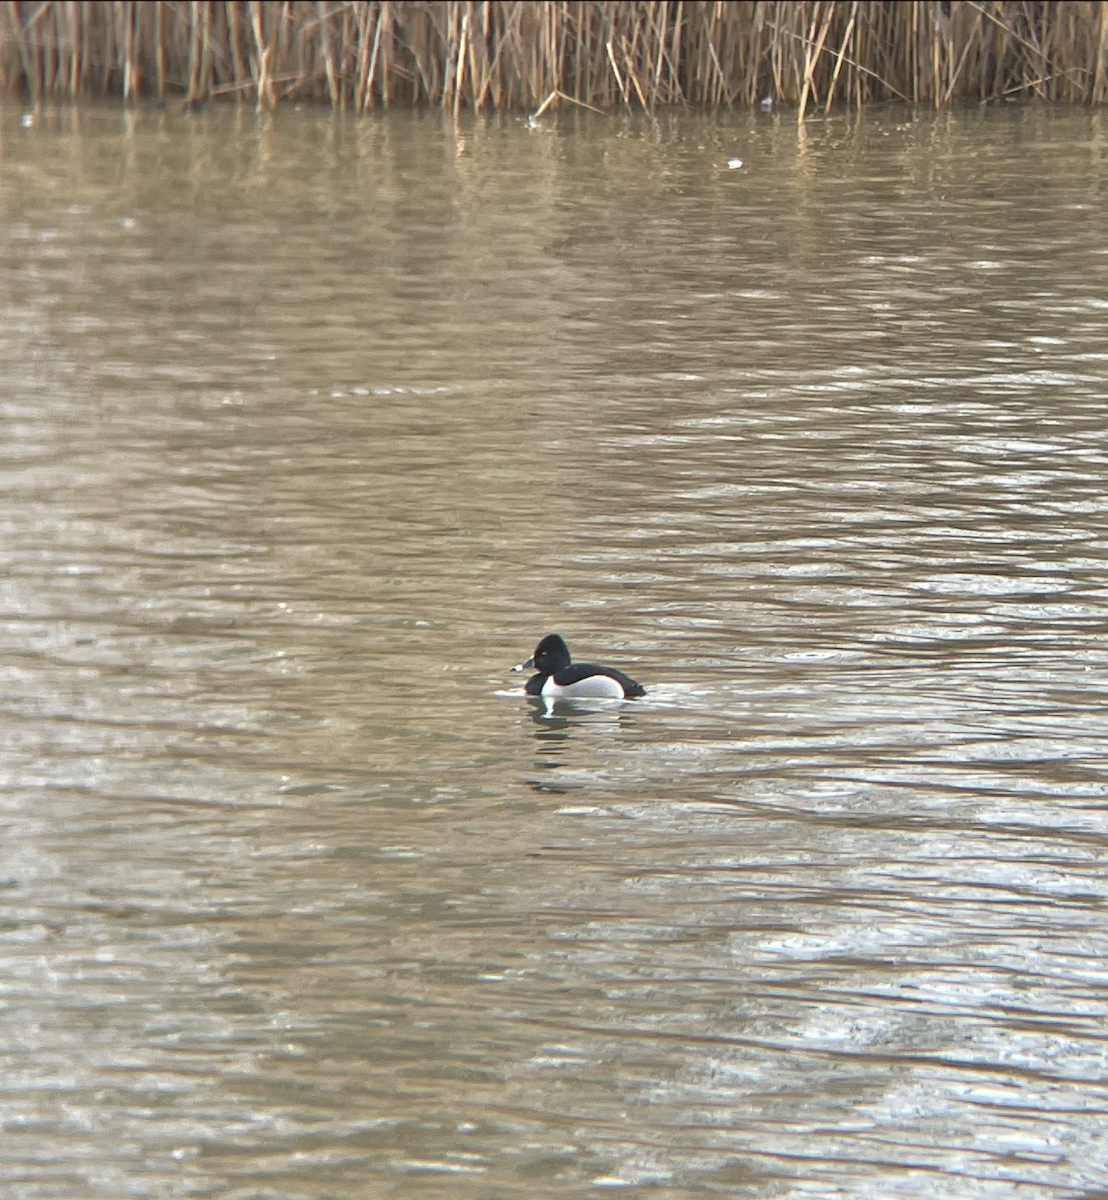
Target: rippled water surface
[312,426]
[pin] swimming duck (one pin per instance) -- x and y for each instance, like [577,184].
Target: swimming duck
[558,675]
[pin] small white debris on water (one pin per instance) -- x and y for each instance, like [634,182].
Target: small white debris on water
[733,164]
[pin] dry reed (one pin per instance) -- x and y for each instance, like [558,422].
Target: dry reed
[528,54]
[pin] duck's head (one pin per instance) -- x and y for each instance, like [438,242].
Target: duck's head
[551,655]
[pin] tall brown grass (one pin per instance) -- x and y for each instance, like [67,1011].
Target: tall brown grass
[523,54]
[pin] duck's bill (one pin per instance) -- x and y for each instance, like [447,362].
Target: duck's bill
[527,666]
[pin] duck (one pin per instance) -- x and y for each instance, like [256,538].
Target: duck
[558,675]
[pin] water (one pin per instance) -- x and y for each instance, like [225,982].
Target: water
[312,427]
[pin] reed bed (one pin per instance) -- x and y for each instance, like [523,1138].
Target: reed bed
[529,55]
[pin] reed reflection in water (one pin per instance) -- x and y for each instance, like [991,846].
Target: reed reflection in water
[314,426]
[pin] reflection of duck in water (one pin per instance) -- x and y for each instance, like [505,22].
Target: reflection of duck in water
[558,675]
